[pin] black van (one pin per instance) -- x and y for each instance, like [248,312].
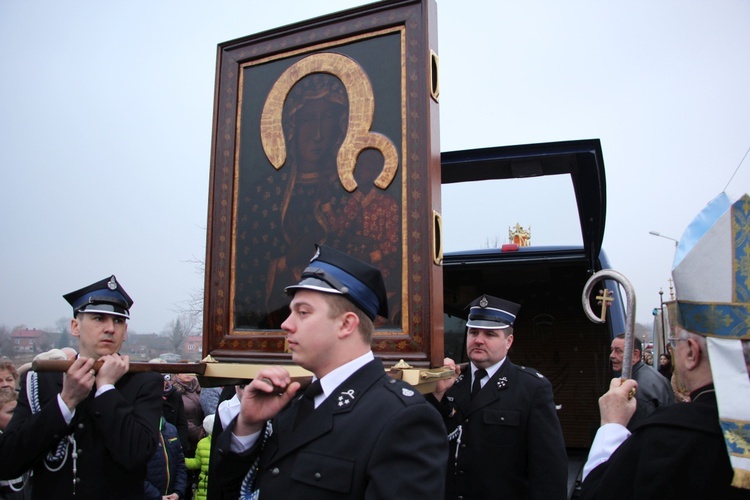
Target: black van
[552,333]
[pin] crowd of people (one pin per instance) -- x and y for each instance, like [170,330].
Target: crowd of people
[490,430]
[665,362]
[177,470]
[124,435]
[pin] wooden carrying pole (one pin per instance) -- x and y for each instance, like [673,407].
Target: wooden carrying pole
[62,365]
[213,374]
[209,374]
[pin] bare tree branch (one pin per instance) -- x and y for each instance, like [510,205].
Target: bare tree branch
[179,329]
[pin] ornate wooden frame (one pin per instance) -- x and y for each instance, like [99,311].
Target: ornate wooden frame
[384,55]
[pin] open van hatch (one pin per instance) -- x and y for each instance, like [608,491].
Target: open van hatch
[552,333]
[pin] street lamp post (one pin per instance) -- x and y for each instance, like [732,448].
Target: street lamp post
[657,233]
[661,292]
[663,323]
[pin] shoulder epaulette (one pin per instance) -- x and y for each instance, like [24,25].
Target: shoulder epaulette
[530,371]
[405,393]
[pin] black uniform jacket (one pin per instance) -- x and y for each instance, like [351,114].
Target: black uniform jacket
[374,437]
[677,452]
[115,436]
[510,443]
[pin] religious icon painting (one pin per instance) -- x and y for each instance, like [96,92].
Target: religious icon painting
[325,132]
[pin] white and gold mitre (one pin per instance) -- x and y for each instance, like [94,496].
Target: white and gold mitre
[711,273]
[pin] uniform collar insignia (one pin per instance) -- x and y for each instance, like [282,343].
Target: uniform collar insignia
[502,382]
[345,398]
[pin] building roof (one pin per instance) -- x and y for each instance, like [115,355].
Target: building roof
[29,334]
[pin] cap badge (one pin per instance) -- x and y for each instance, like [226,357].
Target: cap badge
[112,283]
[483,302]
[407,392]
[502,382]
[346,397]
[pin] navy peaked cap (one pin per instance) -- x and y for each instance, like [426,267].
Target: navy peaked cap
[491,313]
[332,271]
[106,296]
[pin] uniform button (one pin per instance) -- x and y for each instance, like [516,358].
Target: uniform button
[502,419]
[318,476]
[463,445]
[461,473]
[275,471]
[80,426]
[392,381]
[460,497]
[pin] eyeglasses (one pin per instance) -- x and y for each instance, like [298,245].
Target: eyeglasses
[673,341]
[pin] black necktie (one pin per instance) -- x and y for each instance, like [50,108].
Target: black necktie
[476,385]
[307,402]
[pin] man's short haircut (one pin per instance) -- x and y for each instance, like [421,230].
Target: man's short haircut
[637,345]
[700,340]
[339,304]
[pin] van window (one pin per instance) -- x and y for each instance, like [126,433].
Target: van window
[478,214]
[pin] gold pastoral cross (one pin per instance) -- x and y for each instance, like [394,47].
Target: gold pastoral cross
[605,300]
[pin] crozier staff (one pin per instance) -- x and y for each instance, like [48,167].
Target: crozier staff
[86,433]
[699,449]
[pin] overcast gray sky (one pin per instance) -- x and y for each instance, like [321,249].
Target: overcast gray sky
[106,112]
